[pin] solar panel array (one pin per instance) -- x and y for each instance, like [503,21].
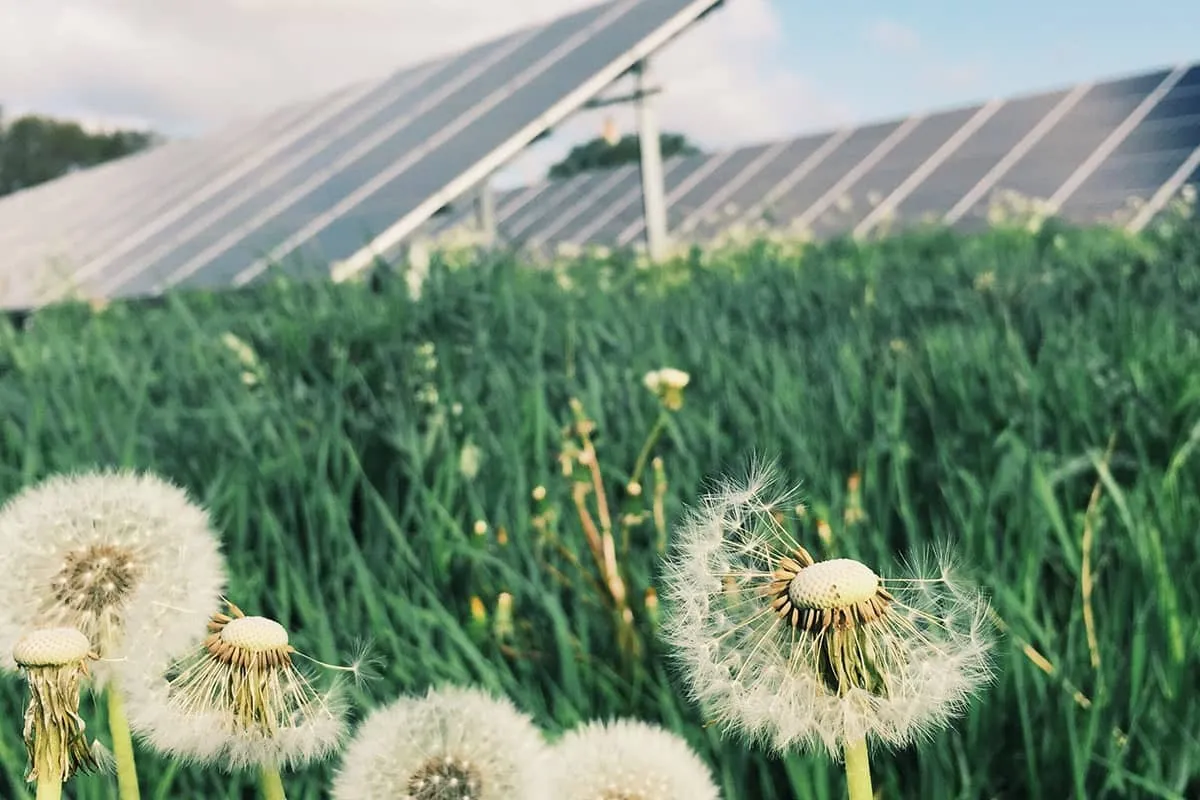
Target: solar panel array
[1085,151]
[329,181]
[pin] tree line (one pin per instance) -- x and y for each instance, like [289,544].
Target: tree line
[36,148]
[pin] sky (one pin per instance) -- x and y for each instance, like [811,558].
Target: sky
[756,70]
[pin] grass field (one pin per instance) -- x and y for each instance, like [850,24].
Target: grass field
[1033,398]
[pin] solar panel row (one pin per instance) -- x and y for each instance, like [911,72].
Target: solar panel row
[332,180]
[1085,151]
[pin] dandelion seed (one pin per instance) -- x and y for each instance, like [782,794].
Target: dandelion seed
[627,760]
[239,701]
[451,744]
[54,662]
[125,558]
[800,653]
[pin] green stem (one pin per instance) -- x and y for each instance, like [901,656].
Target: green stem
[49,788]
[651,438]
[118,728]
[858,771]
[272,784]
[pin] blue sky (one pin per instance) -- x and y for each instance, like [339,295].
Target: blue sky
[889,59]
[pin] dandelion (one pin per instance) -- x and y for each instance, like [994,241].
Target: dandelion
[455,743]
[54,662]
[469,460]
[127,559]
[627,760]
[239,701]
[799,653]
[668,385]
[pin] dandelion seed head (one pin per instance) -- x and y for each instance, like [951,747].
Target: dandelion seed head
[125,558]
[627,760]
[51,647]
[833,584]
[451,744]
[238,701]
[794,652]
[254,635]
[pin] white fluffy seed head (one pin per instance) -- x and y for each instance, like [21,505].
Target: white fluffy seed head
[51,647]
[918,657]
[237,702]
[459,743]
[837,583]
[627,760]
[126,558]
[255,634]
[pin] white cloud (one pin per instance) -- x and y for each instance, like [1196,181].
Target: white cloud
[893,37]
[188,66]
[723,85]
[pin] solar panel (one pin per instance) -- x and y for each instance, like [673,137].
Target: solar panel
[678,187]
[996,137]
[521,226]
[344,180]
[824,186]
[721,172]
[87,210]
[1066,149]
[605,224]
[1147,158]
[1084,151]
[613,184]
[931,139]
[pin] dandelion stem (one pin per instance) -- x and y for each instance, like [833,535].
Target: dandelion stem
[118,727]
[858,771]
[272,784]
[647,446]
[49,788]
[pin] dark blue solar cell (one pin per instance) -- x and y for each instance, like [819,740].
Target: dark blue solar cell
[628,217]
[968,165]
[757,187]
[1045,168]
[611,184]
[1179,103]
[1191,77]
[825,175]
[881,180]
[516,228]
[703,190]
[1158,137]
[1135,88]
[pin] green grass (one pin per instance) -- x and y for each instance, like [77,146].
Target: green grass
[973,383]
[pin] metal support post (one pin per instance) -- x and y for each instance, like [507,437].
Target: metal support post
[654,205]
[485,212]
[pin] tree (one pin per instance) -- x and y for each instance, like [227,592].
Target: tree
[598,153]
[35,149]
